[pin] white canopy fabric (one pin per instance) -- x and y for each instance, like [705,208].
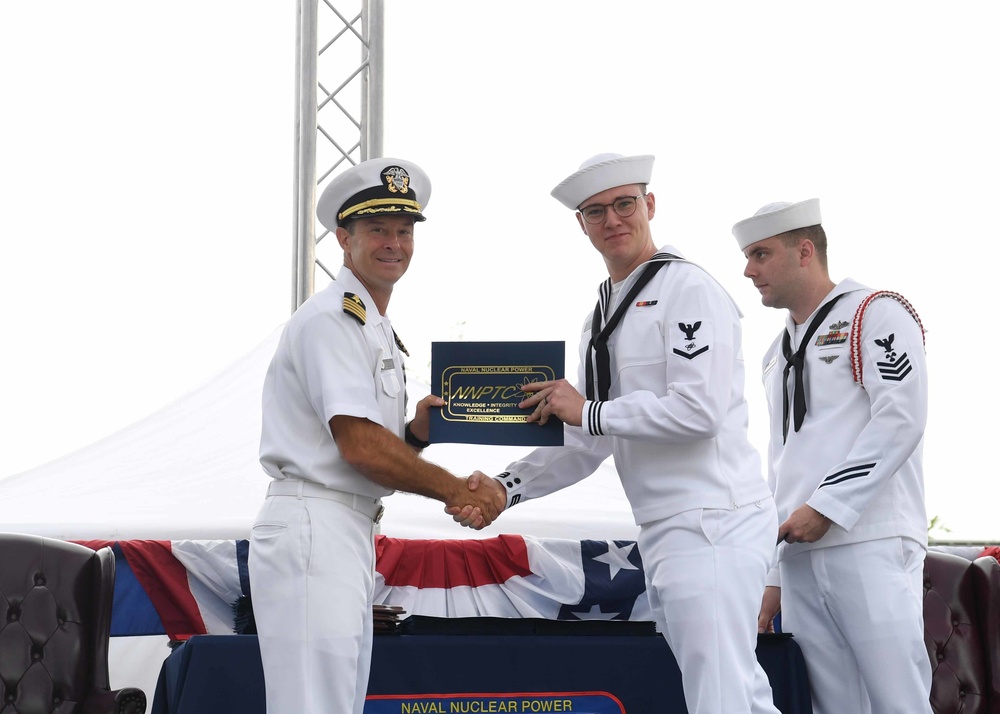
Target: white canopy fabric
[190,471]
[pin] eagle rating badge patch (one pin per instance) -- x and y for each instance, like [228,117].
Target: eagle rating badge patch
[894,367]
[857,366]
[691,346]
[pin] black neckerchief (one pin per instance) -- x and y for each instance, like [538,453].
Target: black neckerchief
[599,338]
[798,360]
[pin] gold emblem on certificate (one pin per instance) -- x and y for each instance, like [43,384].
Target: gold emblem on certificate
[489,393]
[482,383]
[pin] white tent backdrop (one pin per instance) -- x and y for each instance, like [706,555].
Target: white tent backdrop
[190,471]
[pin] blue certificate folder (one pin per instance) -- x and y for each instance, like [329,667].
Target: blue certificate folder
[481,381]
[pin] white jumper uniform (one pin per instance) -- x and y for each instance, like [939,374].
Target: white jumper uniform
[312,558]
[676,423]
[854,598]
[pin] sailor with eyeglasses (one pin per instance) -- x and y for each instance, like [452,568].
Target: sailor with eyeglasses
[660,388]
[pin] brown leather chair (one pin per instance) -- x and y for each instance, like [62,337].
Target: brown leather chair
[55,624]
[986,581]
[962,633]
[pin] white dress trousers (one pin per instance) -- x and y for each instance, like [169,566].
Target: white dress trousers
[858,612]
[705,571]
[314,617]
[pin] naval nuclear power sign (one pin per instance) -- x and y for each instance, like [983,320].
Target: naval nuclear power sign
[524,703]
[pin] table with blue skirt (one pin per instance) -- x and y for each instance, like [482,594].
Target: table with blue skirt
[592,670]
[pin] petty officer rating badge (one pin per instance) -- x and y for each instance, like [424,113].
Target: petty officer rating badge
[895,367]
[691,348]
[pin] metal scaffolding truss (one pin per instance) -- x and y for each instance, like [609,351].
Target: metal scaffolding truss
[338,118]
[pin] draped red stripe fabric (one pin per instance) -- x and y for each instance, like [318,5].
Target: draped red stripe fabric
[451,563]
[165,581]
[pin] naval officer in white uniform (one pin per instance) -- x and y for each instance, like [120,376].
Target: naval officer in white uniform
[332,441]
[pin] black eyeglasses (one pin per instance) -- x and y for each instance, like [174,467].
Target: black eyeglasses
[624,206]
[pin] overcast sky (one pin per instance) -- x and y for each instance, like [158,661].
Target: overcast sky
[146,186]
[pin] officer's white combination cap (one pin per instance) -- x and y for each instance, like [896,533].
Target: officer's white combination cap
[776,218]
[601,172]
[377,187]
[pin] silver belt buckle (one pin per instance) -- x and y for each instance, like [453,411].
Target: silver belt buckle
[379,513]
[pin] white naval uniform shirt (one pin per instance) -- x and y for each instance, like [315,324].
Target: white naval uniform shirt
[328,364]
[676,419]
[857,458]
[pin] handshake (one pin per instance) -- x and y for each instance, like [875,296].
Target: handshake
[481,503]
[477,501]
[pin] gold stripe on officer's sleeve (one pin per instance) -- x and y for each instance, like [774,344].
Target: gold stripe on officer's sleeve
[354,307]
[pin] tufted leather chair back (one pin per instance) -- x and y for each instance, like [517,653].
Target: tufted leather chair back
[961,641]
[55,622]
[986,582]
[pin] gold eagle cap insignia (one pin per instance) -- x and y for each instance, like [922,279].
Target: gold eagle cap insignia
[396,179]
[355,307]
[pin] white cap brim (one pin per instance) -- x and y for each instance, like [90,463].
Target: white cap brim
[775,219]
[380,186]
[601,172]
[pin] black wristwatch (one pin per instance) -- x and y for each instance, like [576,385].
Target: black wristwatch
[412,440]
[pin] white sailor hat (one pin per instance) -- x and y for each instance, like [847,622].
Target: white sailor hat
[601,172]
[372,188]
[776,218]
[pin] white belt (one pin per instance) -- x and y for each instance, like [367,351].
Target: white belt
[371,507]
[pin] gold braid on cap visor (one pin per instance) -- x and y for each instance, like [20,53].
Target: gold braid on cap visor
[381,205]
